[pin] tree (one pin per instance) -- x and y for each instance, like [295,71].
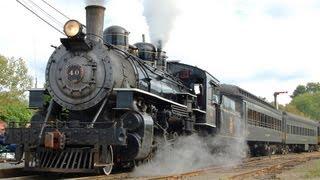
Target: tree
[14,78]
[14,81]
[293,109]
[306,101]
[309,104]
[301,89]
[313,87]
[309,88]
[15,111]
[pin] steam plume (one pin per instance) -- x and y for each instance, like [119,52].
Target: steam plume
[194,152]
[160,16]
[95,2]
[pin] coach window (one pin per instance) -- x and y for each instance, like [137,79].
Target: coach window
[263,123]
[214,93]
[269,122]
[250,116]
[197,88]
[228,103]
[198,91]
[259,118]
[255,118]
[293,130]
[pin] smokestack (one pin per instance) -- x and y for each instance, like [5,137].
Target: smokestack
[94,22]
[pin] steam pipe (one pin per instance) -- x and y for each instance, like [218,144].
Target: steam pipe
[94,22]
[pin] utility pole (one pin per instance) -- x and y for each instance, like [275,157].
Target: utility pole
[275,94]
[36,83]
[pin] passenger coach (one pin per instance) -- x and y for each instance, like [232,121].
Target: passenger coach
[269,130]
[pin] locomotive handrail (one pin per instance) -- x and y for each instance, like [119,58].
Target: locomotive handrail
[149,94]
[141,63]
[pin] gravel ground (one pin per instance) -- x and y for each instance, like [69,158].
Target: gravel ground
[306,170]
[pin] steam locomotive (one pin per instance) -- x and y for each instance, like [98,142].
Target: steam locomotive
[112,103]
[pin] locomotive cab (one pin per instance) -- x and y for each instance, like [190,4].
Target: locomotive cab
[206,88]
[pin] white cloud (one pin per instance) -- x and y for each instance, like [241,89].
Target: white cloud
[233,40]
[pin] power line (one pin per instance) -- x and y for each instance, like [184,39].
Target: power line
[53,18]
[56,9]
[40,17]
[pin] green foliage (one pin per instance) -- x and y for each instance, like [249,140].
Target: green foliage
[17,112]
[14,81]
[309,88]
[293,109]
[309,104]
[306,101]
[301,89]
[14,76]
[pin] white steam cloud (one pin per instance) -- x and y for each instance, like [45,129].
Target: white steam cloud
[194,152]
[160,16]
[95,3]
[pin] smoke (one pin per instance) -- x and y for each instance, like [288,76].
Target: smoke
[95,3]
[194,152]
[160,16]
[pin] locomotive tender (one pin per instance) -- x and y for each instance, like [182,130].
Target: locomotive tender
[112,103]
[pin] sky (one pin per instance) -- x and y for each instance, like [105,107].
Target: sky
[262,46]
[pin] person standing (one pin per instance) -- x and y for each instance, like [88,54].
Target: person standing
[5,147]
[3,126]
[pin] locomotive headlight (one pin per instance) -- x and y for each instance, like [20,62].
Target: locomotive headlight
[72,28]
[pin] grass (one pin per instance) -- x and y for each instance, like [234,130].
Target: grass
[314,172]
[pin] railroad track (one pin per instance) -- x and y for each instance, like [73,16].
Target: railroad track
[250,167]
[273,167]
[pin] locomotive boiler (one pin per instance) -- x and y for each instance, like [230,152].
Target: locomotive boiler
[110,102]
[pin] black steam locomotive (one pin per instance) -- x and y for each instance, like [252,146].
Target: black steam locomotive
[112,103]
